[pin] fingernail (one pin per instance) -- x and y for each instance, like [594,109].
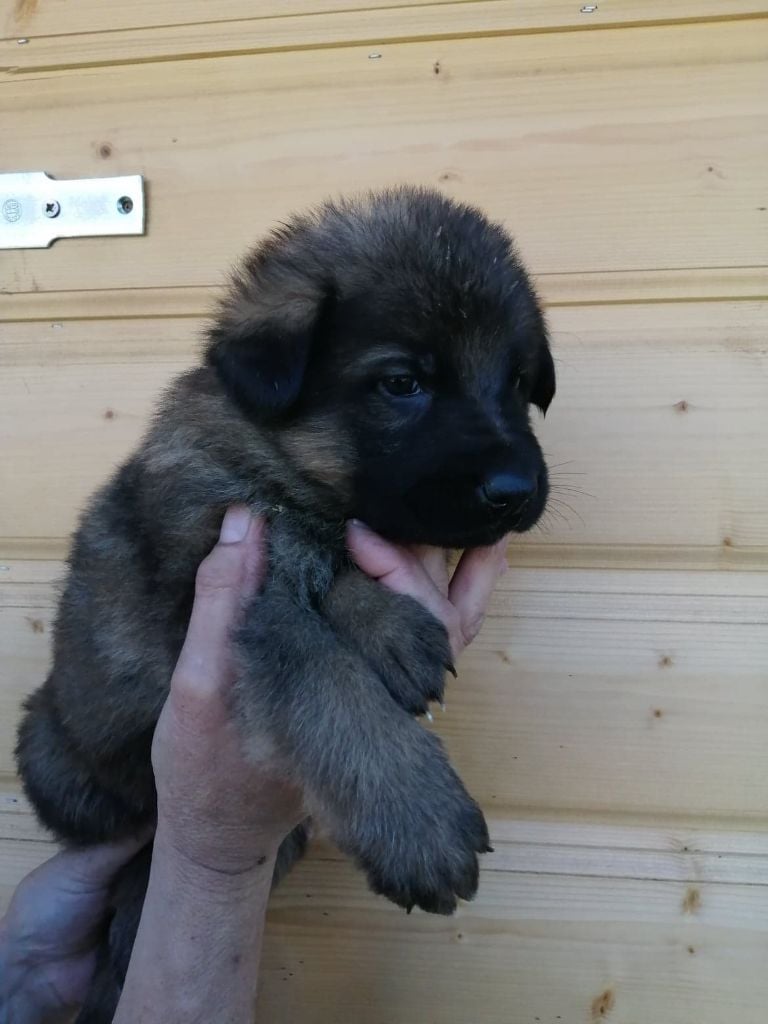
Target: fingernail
[357,524]
[235,525]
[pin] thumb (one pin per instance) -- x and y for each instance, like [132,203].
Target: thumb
[94,867]
[225,579]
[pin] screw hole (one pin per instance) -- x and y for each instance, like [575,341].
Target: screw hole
[124,204]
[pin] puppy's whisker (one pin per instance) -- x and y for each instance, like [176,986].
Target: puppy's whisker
[559,504]
[557,488]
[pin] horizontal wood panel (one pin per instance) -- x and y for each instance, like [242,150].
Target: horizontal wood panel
[60,17]
[617,150]
[686,380]
[260,34]
[586,690]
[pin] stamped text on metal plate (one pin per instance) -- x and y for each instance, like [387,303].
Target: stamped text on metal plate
[36,209]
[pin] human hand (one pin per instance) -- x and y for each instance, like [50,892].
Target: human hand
[459,602]
[49,935]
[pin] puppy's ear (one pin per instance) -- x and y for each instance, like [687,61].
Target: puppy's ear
[544,384]
[261,341]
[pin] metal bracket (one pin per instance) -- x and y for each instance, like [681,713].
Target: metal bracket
[36,209]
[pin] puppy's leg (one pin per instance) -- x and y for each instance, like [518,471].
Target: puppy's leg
[63,786]
[403,643]
[382,782]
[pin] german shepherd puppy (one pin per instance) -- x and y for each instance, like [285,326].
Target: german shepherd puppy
[375,359]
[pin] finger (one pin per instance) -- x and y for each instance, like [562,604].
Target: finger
[375,556]
[394,567]
[435,562]
[224,579]
[472,585]
[92,867]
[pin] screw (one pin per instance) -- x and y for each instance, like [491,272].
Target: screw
[52,209]
[588,9]
[374,56]
[22,42]
[124,204]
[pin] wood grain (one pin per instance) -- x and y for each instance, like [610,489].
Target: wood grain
[601,153]
[57,17]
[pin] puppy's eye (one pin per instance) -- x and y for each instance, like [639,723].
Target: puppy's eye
[401,386]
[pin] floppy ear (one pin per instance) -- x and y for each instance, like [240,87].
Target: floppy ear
[544,386]
[261,341]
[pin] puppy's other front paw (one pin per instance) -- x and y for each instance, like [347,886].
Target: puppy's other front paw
[404,644]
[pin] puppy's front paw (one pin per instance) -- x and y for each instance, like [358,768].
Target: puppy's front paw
[424,852]
[401,641]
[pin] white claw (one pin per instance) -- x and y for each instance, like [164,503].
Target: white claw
[443,708]
[429,716]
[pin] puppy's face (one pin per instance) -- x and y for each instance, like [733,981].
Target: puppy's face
[400,373]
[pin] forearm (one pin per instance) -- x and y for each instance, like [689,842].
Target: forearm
[196,955]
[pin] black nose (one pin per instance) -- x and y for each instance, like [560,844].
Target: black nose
[503,489]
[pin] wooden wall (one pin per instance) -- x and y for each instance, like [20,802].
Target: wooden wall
[613,715]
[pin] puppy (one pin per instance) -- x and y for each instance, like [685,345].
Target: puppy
[374,359]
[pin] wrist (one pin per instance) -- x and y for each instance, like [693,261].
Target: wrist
[197,949]
[216,867]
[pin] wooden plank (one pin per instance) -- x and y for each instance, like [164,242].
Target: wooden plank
[597,691]
[346,28]
[616,150]
[727,284]
[366,19]
[688,380]
[60,17]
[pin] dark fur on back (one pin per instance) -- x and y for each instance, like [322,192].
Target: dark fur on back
[374,359]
